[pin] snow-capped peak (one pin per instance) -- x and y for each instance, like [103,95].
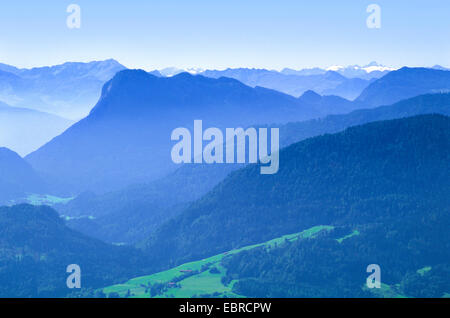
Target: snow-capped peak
[194,70]
[334,68]
[172,71]
[371,67]
[374,66]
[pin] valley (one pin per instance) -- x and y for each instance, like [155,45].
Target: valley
[373,171]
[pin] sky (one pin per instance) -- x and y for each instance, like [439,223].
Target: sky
[216,34]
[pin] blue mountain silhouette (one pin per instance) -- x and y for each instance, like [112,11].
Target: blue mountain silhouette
[405,83]
[126,137]
[17,177]
[68,90]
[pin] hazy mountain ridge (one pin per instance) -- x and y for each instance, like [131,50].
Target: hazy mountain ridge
[326,81]
[25,130]
[330,82]
[17,177]
[138,111]
[68,90]
[405,83]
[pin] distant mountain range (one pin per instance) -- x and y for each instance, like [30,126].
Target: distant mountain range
[405,83]
[68,90]
[136,114]
[25,130]
[136,108]
[330,82]
[369,71]
[441,68]
[40,103]
[352,80]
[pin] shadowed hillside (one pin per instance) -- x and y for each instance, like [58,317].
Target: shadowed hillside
[369,173]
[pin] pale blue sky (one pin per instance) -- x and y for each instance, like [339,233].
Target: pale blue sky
[153,34]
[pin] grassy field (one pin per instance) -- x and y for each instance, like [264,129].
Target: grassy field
[386,291]
[39,199]
[199,278]
[354,233]
[394,291]
[203,278]
[46,199]
[422,271]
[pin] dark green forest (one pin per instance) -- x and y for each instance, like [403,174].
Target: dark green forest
[376,173]
[323,267]
[36,247]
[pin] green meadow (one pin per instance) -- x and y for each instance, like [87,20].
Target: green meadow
[46,199]
[354,233]
[199,278]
